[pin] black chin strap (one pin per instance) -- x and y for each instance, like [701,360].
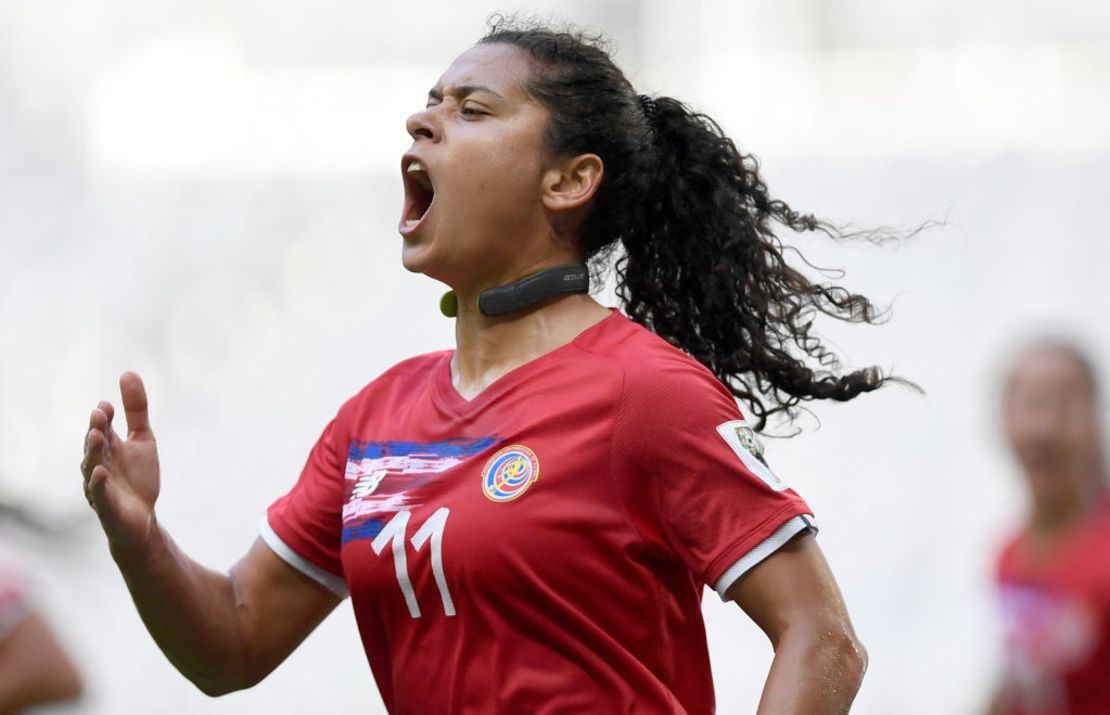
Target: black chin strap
[572,278]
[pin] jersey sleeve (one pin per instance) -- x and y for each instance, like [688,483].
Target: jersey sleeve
[713,499]
[304,527]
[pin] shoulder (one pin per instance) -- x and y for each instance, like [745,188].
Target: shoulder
[1102,515]
[663,390]
[1099,527]
[653,370]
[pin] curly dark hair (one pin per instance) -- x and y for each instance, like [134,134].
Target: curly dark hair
[701,265]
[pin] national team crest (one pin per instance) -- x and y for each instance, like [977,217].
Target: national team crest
[509,473]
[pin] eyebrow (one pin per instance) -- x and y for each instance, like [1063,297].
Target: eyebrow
[462,91]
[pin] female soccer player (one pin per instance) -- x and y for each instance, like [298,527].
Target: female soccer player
[1054,575]
[526,524]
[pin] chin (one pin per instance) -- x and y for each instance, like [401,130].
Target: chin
[421,259]
[410,259]
[415,250]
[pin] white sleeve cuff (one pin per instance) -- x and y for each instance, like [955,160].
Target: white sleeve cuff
[774,542]
[325,578]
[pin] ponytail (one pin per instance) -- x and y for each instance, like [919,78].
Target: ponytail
[701,265]
[704,269]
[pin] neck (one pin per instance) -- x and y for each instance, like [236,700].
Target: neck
[487,348]
[1049,519]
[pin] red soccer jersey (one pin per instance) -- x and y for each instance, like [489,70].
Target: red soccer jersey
[543,547]
[1056,615]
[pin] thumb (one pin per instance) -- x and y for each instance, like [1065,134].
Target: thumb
[133,394]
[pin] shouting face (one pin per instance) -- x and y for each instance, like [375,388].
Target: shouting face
[474,213]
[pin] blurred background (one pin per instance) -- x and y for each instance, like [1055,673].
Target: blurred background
[208,192]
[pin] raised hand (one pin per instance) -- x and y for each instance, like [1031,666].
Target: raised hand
[121,475]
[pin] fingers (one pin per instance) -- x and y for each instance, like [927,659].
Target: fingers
[109,433]
[98,418]
[98,440]
[94,451]
[134,404]
[106,407]
[95,443]
[96,488]
[99,426]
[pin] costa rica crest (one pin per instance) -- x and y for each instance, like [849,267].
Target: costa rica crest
[509,473]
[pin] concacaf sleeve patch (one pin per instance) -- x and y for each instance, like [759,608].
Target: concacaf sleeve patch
[743,440]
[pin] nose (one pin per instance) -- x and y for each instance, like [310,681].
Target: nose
[422,124]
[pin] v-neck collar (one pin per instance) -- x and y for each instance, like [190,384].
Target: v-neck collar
[448,397]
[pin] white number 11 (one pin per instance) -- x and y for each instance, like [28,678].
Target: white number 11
[394,532]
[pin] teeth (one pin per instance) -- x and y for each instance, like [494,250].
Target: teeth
[409,223]
[419,174]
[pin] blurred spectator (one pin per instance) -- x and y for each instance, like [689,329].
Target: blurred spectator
[1054,574]
[34,669]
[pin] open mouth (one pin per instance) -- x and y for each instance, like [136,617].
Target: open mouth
[419,193]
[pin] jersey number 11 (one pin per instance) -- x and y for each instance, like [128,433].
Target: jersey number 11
[394,533]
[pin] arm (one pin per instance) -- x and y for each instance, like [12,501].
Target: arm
[819,663]
[224,632]
[34,670]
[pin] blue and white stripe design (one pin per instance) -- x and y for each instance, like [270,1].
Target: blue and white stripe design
[383,478]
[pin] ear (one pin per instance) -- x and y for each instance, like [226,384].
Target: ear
[571,183]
